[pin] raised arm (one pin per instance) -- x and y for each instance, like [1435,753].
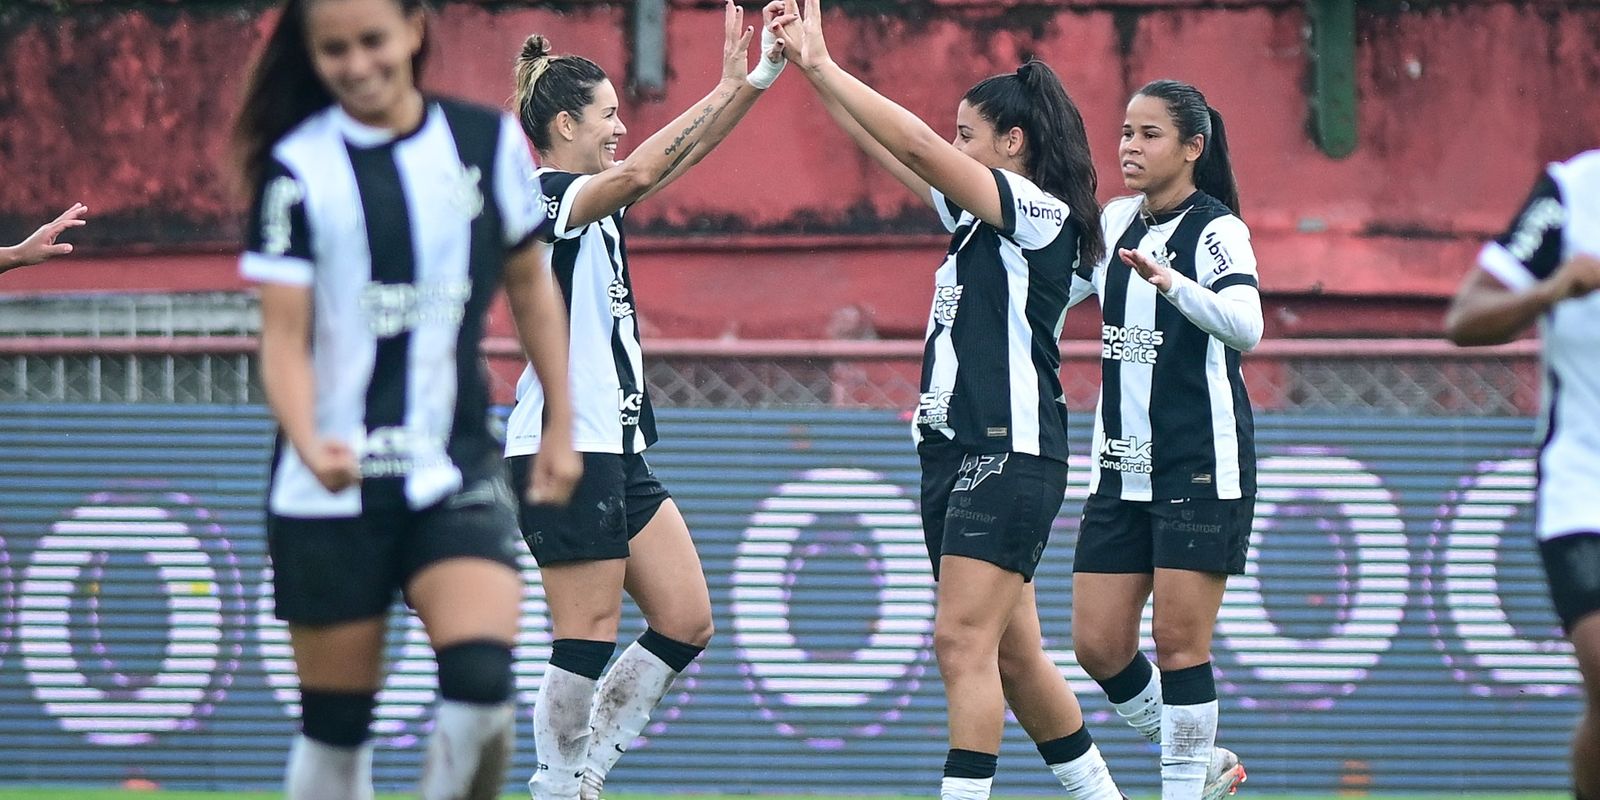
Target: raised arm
[653,163]
[923,155]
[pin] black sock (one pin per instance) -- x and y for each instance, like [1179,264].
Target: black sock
[1067,748]
[970,764]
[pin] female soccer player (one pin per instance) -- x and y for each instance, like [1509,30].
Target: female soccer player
[1016,190]
[1546,267]
[622,530]
[384,222]
[42,246]
[1172,490]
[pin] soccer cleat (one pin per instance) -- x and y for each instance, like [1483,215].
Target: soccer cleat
[1224,776]
[589,789]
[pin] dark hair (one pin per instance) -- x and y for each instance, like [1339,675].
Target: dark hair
[284,90]
[1057,154]
[1213,173]
[548,85]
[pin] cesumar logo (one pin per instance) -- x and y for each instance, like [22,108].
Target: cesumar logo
[281,194]
[1126,455]
[1028,208]
[551,205]
[1131,344]
[933,408]
[946,301]
[1543,215]
[621,306]
[1219,253]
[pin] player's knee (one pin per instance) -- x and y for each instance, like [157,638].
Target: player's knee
[340,719]
[475,672]
[1102,656]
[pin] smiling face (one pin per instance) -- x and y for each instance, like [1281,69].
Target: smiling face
[1153,155]
[591,136]
[977,139]
[362,50]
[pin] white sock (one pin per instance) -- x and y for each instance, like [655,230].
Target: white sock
[319,771]
[627,695]
[560,733]
[1087,777]
[1143,710]
[468,751]
[965,788]
[1188,734]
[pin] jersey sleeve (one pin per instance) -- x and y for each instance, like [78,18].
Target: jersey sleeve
[558,191]
[516,187]
[1531,248]
[1223,256]
[278,233]
[949,213]
[1032,217]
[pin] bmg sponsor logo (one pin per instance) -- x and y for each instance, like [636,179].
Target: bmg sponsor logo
[1219,253]
[1133,344]
[1028,208]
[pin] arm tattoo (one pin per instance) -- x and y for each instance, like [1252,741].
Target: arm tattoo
[707,116]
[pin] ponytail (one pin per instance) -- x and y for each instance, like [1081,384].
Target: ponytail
[283,90]
[547,85]
[1057,155]
[1213,173]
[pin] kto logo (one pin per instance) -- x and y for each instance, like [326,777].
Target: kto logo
[946,300]
[630,405]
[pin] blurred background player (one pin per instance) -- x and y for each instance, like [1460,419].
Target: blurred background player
[373,285]
[42,246]
[1016,191]
[622,532]
[1546,268]
[1172,490]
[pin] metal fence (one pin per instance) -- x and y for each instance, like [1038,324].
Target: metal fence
[201,349]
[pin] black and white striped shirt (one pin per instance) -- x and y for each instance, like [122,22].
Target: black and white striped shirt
[403,241]
[1173,420]
[990,361]
[611,408]
[1560,219]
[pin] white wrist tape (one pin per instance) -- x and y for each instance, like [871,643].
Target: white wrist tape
[766,70]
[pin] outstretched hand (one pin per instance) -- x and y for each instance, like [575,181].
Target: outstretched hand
[1152,271]
[42,245]
[801,36]
[735,42]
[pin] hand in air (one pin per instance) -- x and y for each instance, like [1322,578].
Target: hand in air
[735,42]
[801,37]
[42,245]
[1148,268]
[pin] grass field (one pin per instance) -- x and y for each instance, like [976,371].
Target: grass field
[25,793]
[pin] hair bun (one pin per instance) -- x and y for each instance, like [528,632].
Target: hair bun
[534,48]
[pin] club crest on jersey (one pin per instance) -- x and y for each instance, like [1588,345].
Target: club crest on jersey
[933,408]
[621,304]
[946,301]
[977,468]
[629,407]
[1126,455]
[462,190]
[281,195]
[1164,257]
[1131,344]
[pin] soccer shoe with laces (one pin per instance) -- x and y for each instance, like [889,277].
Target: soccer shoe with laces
[1224,776]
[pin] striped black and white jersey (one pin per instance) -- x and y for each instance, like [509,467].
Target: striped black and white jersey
[403,241]
[1173,419]
[611,408]
[1560,219]
[990,361]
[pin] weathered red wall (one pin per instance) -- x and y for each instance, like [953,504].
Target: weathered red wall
[127,108]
